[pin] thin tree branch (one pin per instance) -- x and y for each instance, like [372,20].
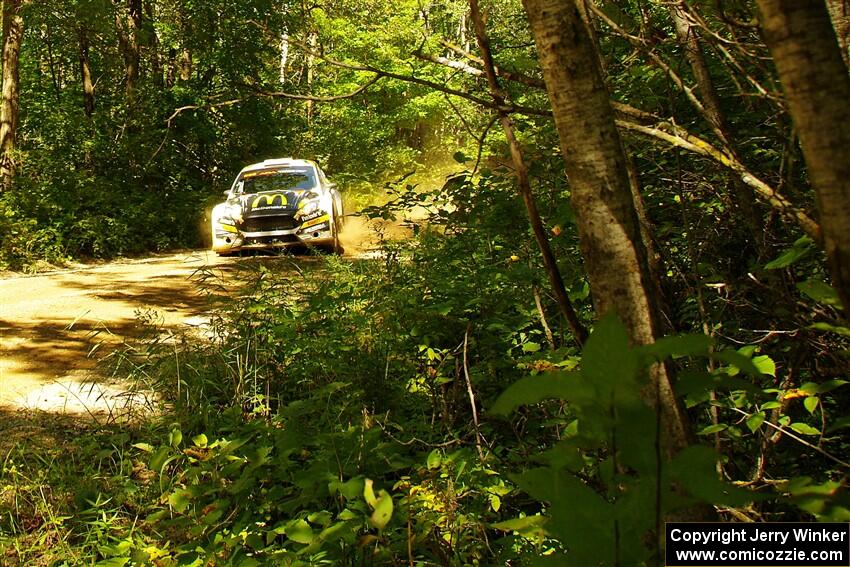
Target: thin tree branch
[316,98]
[786,431]
[578,330]
[680,138]
[512,76]
[508,108]
[179,110]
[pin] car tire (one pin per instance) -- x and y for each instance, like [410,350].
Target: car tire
[336,246]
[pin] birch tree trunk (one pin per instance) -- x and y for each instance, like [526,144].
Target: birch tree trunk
[608,227]
[839,11]
[85,72]
[814,78]
[13,35]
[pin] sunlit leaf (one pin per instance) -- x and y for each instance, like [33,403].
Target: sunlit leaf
[801,248]
[811,404]
[820,292]
[435,458]
[765,365]
[534,389]
[300,532]
[716,428]
[804,429]
[755,421]
[383,510]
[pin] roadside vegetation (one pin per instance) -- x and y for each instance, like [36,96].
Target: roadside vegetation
[541,373]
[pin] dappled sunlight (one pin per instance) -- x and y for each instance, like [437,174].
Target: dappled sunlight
[55,328]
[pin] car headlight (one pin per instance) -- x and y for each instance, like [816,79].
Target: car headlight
[233,210]
[310,203]
[231,214]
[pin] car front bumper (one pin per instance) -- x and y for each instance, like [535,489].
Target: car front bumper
[317,231]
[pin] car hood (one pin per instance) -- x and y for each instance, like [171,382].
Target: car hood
[271,202]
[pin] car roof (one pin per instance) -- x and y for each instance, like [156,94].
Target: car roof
[279,162]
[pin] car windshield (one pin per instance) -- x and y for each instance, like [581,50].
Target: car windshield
[278,179]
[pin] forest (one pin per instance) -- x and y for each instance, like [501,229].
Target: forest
[622,298]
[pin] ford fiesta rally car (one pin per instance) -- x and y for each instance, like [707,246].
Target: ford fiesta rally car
[278,203]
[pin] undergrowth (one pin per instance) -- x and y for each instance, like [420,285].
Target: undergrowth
[422,408]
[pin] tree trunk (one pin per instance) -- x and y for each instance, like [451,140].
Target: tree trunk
[609,231]
[549,261]
[128,21]
[312,42]
[814,78]
[688,37]
[689,41]
[153,46]
[13,35]
[185,64]
[85,72]
[839,11]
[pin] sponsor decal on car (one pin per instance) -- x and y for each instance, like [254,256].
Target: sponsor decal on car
[324,218]
[268,201]
[313,215]
[316,228]
[261,173]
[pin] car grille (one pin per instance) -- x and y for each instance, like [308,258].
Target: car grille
[269,224]
[271,240]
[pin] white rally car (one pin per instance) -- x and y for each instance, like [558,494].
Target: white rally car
[278,203]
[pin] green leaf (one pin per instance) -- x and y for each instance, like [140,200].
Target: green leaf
[738,361]
[841,423]
[533,389]
[175,436]
[829,385]
[580,517]
[350,489]
[200,440]
[843,331]
[804,429]
[435,459]
[495,502]
[770,405]
[716,428]
[530,347]
[608,362]
[755,421]
[158,459]
[369,493]
[683,345]
[820,292]
[811,404]
[765,365]
[695,469]
[147,448]
[179,499]
[800,249]
[383,510]
[460,157]
[529,526]
[300,532]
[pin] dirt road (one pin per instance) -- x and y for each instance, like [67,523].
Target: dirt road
[50,323]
